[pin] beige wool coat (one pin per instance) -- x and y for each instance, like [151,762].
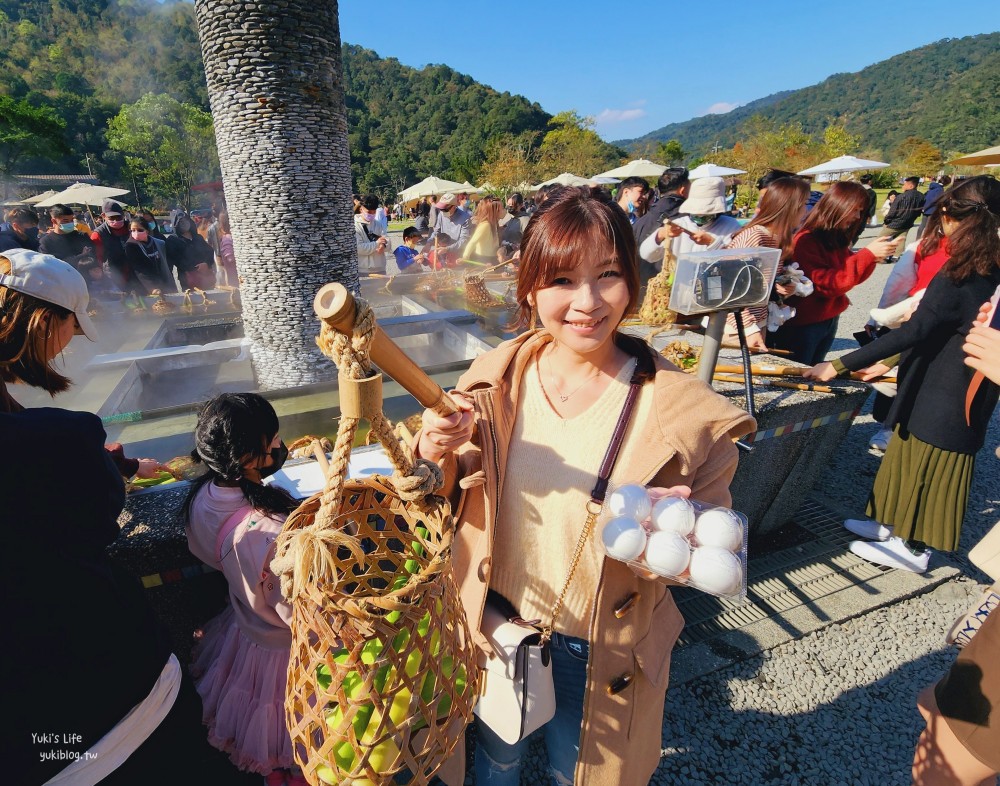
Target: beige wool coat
[689,441]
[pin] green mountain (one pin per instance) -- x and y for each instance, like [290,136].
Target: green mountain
[87,58]
[945,92]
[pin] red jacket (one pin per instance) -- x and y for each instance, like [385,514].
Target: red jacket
[834,273]
[928,266]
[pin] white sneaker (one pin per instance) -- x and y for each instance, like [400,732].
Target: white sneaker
[867,528]
[895,553]
[880,440]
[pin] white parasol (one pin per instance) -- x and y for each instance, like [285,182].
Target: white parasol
[430,186]
[34,200]
[640,167]
[713,170]
[844,164]
[566,179]
[82,194]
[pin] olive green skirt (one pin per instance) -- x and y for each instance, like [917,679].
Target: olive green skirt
[921,491]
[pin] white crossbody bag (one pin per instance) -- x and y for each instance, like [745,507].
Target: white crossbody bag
[518,695]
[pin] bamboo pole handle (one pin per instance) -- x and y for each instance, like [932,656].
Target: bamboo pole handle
[335,306]
[777,383]
[764,371]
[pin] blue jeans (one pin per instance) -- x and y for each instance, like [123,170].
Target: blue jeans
[499,764]
[807,343]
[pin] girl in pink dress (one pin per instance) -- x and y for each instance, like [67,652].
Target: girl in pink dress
[232,520]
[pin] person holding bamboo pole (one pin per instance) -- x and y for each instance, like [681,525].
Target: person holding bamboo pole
[939,422]
[543,407]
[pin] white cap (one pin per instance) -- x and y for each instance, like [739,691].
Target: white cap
[49,279]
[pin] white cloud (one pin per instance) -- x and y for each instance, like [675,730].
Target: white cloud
[619,115]
[720,108]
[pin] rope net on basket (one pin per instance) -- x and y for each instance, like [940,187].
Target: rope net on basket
[655,309]
[382,676]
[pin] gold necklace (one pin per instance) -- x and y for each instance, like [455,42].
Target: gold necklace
[563,397]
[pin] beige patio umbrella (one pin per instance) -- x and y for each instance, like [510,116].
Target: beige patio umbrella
[82,194]
[430,186]
[640,167]
[34,200]
[990,155]
[566,179]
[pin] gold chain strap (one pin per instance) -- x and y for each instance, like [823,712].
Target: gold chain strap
[593,511]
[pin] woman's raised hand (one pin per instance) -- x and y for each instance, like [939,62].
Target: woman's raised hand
[441,435]
[882,247]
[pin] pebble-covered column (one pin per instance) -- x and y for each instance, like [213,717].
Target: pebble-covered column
[276,86]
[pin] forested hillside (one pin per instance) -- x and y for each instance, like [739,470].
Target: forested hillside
[946,93]
[87,58]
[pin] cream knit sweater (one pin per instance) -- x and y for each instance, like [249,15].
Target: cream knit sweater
[552,466]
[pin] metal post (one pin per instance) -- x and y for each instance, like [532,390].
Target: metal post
[711,345]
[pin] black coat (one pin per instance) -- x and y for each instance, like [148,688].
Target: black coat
[185,254]
[905,210]
[67,247]
[933,377]
[83,645]
[666,207]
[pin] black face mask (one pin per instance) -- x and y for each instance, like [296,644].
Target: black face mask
[31,233]
[279,456]
[512,209]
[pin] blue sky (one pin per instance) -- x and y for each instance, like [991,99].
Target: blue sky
[636,66]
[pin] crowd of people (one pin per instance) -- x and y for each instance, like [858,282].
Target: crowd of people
[514,457]
[129,252]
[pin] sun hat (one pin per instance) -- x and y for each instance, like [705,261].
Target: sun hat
[49,279]
[707,197]
[446,201]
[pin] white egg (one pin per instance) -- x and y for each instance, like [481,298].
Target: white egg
[674,514]
[719,527]
[624,538]
[667,553]
[630,500]
[716,570]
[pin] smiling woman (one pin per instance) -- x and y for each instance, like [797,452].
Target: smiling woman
[547,405]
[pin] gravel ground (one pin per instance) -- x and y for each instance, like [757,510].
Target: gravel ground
[837,705]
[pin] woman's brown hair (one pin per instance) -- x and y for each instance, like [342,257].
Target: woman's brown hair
[572,226]
[24,325]
[779,210]
[836,221]
[973,245]
[490,210]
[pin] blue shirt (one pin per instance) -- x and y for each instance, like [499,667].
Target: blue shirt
[404,256]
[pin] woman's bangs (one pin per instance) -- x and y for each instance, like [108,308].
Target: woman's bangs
[573,243]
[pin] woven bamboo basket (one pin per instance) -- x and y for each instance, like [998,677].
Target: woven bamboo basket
[655,309]
[382,676]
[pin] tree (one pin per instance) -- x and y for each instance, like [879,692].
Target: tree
[25,131]
[920,157]
[671,153]
[169,145]
[837,141]
[572,145]
[766,145]
[510,160]
[276,86]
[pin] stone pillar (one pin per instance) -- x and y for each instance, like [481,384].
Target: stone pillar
[276,87]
